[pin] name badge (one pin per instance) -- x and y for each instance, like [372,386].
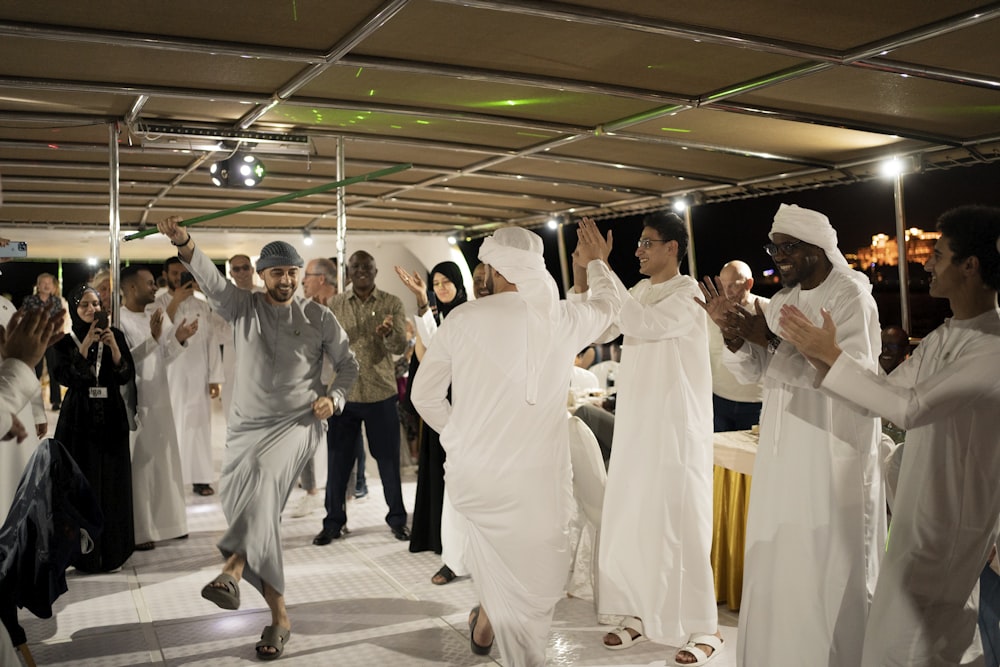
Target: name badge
[98,392]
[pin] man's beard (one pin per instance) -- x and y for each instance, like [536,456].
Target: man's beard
[278,297]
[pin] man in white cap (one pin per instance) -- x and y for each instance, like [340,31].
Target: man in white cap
[277,419]
[508,359]
[946,395]
[816,523]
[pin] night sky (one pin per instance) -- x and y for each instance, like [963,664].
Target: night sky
[738,229]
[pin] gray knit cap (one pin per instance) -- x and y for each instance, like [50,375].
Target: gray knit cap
[278,253]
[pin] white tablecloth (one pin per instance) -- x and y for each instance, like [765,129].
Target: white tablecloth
[735,450]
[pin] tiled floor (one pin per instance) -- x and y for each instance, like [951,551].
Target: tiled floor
[363,600]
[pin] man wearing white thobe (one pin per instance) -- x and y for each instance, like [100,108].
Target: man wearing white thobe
[195,378]
[508,360]
[660,576]
[816,523]
[946,396]
[278,417]
[158,508]
[22,346]
[14,455]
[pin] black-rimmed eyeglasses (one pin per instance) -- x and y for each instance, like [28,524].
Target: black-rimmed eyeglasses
[786,248]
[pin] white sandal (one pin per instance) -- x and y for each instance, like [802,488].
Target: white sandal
[625,638]
[700,657]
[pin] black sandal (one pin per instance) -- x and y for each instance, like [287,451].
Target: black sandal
[443,576]
[204,490]
[478,649]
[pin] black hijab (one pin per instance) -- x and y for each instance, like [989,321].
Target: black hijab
[80,328]
[450,271]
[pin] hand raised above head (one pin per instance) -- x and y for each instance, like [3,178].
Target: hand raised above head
[170,228]
[590,244]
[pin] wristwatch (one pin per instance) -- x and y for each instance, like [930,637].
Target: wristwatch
[773,341]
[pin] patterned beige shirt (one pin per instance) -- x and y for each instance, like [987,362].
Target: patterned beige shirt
[359,318]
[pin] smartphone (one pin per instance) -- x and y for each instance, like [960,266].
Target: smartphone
[14,249]
[186,278]
[101,319]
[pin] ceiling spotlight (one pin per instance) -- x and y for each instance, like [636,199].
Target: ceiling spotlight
[680,205]
[552,223]
[452,240]
[91,261]
[307,237]
[238,171]
[895,166]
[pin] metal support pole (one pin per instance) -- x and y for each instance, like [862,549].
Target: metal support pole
[114,220]
[904,268]
[692,262]
[341,219]
[563,261]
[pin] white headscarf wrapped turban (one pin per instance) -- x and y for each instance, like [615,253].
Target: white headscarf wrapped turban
[516,254]
[815,228]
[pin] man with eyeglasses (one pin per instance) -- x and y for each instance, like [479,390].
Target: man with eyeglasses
[944,523]
[375,323]
[241,271]
[658,578]
[816,523]
[319,283]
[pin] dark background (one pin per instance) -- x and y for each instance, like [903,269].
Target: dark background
[738,230]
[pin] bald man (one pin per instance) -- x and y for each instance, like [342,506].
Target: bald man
[735,405]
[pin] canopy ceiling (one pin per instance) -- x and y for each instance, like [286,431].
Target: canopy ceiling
[510,112]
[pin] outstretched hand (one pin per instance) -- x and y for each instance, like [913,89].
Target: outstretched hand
[817,344]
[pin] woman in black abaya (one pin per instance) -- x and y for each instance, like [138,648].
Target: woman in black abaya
[425,532]
[93,363]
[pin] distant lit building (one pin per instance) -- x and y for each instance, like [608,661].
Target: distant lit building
[883,249]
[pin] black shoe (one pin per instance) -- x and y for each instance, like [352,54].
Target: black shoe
[326,536]
[400,533]
[478,649]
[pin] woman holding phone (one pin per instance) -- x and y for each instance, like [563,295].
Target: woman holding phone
[93,364]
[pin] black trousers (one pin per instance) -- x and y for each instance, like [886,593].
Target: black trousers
[381,424]
[55,391]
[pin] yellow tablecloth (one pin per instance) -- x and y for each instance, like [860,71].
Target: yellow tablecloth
[734,456]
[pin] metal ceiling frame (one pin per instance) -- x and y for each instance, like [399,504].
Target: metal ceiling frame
[868,56]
